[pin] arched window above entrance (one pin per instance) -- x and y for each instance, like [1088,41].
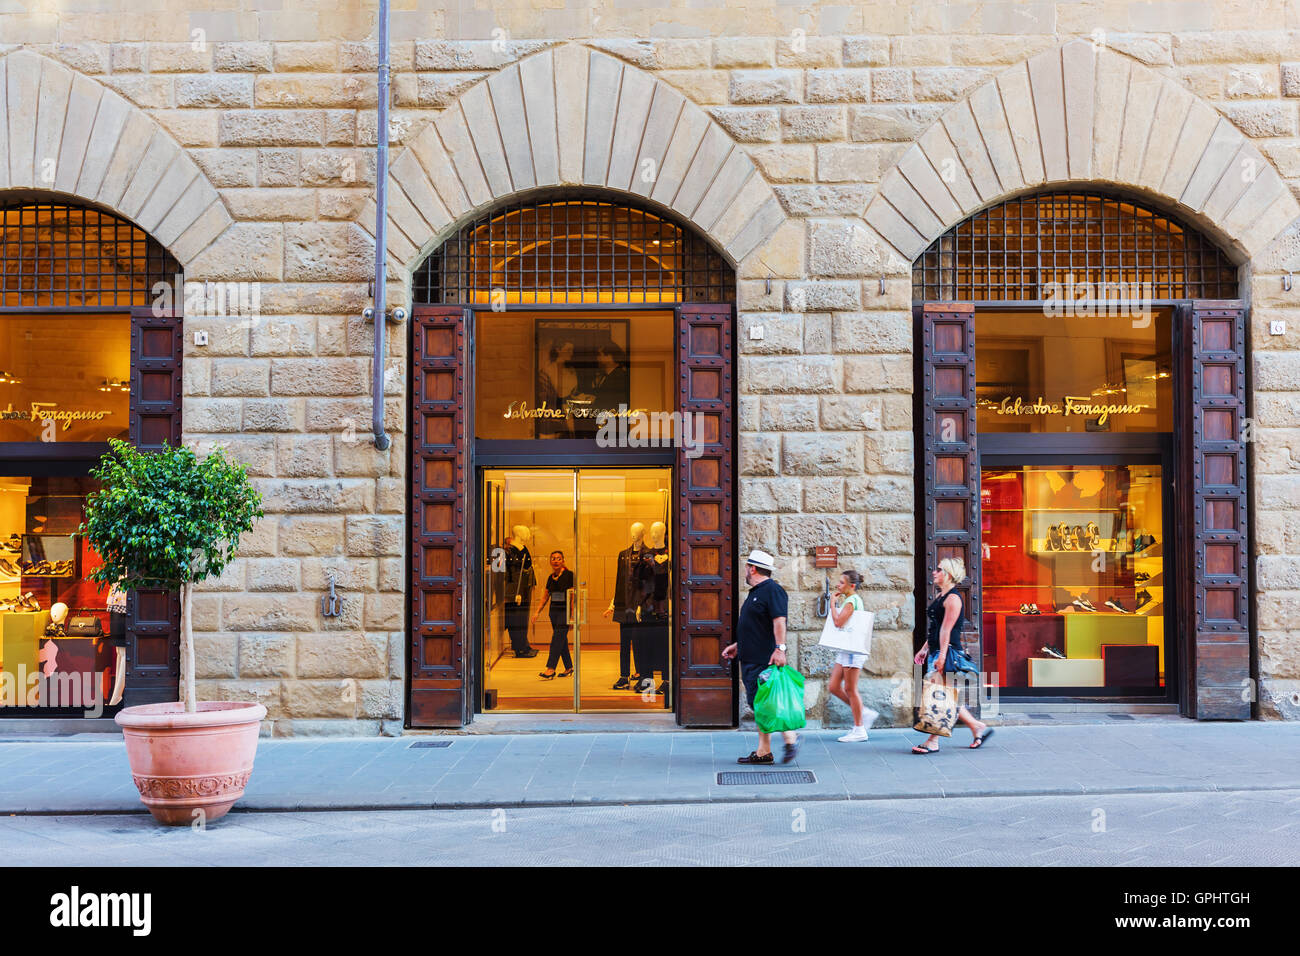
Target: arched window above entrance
[60,255]
[573,250]
[1072,245]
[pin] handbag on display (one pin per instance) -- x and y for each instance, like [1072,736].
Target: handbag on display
[85,627]
[937,712]
[854,636]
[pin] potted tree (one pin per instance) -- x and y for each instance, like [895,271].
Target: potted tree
[169,519]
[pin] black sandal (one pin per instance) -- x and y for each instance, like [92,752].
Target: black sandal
[978,742]
[755,758]
[924,751]
[545,676]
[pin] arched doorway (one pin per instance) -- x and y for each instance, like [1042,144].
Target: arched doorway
[572,440]
[91,352]
[1081,414]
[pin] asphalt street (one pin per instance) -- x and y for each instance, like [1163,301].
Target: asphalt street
[1248,828]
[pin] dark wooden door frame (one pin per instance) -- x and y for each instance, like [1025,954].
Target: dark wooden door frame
[443,598]
[1212,617]
[153,614]
[705,528]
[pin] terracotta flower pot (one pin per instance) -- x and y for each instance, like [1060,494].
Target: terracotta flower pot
[186,762]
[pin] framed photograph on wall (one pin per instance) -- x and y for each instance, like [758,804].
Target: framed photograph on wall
[582,370]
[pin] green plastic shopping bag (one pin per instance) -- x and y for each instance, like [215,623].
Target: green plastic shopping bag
[778,705]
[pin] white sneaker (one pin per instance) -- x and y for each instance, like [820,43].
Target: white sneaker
[854,736]
[869,716]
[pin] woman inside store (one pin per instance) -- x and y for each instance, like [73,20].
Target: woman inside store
[946,617]
[555,599]
[848,665]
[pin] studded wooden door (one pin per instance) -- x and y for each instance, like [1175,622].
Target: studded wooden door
[1220,632]
[153,615]
[949,454]
[439,521]
[705,517]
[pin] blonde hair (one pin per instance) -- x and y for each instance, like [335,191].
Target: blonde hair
[955,568]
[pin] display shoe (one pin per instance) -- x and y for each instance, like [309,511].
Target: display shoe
[15,542]
[1143,598]
[27,603]
[1024,609]
[1033,609]
[1082,604]
[1087,605]
[1052,652]
[1141,576]
[1114,605]
[662,688]
[621,684]
[8,569]
[645,685]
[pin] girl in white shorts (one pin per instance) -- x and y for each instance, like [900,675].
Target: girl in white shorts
[848,665]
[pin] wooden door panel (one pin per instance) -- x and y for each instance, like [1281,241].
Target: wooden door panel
[439,517]
[1219,609]
[949,453]
[153,615]
[705,520]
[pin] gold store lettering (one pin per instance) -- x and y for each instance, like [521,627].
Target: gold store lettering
[1073,405]
[40,411]
[521,410]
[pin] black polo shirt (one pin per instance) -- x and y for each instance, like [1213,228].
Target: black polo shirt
[755,636]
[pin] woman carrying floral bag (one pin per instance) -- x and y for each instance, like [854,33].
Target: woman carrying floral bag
[945,618]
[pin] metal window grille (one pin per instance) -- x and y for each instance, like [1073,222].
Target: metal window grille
[573,251]
[1067,245]
[57,255]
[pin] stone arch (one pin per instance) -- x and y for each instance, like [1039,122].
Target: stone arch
[1076,114]
[573,116]
[67,134]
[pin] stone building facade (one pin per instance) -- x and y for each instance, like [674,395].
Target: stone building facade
[821,147]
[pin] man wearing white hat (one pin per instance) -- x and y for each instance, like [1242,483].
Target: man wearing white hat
[760,642]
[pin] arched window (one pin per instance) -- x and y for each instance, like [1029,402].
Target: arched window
[1071,244]
[58,255]
[574,250]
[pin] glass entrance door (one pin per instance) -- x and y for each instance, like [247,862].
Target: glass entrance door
[576,589]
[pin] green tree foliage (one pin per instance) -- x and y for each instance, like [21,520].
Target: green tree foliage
[168,519]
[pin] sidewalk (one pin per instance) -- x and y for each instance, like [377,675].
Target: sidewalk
[76,776]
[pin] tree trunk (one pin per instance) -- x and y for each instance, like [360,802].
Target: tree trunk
[187,651]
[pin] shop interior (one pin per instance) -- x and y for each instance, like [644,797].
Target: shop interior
[1073,576]
[55,624]
[611,592]
[1074,552]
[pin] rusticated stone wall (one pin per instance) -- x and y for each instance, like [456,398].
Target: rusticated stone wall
[820,146]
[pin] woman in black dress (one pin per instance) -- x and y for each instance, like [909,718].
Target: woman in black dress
[945,618]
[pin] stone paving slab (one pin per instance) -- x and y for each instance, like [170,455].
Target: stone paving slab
[61,776]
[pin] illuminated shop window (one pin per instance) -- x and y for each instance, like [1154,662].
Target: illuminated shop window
[1071,246]
[573,252]
[1074,576]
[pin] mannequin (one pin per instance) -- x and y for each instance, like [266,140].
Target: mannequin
[653,586]
[518,590]
[58,617]
[623,609]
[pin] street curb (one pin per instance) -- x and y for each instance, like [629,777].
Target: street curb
[766,797]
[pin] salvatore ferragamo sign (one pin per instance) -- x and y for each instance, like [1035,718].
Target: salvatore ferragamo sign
[1069,405]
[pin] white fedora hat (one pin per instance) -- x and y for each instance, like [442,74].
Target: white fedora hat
[761,559]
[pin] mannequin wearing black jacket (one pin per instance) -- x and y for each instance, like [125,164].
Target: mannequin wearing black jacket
[622,608]
[518,591]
